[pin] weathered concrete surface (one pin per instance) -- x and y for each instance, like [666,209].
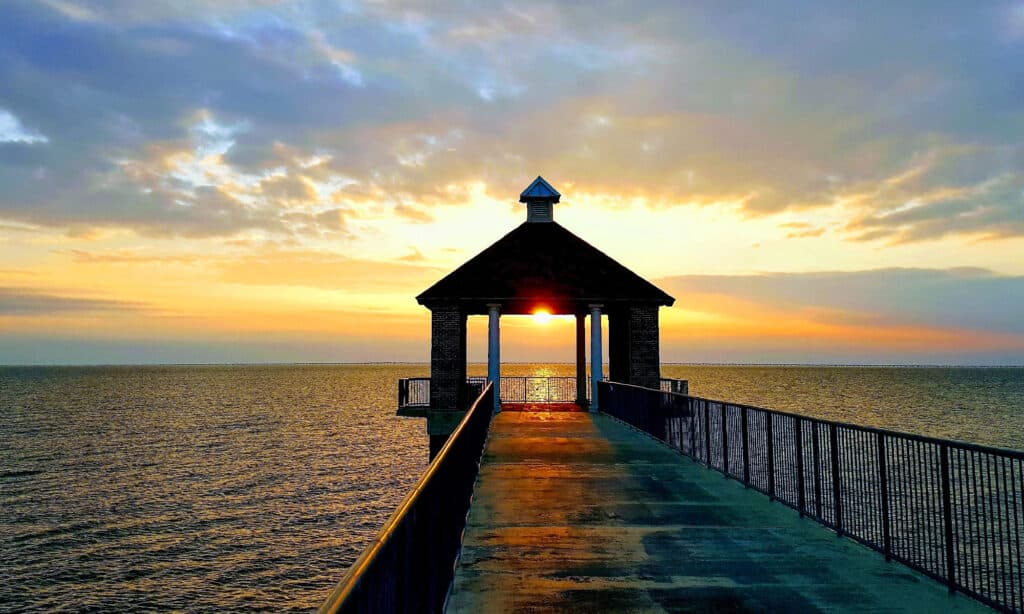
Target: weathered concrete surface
[576,512]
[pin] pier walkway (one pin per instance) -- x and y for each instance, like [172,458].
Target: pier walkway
[578,512]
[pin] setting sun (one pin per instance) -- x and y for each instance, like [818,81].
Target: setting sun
[541,316]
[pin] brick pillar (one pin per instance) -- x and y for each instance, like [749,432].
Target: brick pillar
[447,358]
[618,346]
[644,350]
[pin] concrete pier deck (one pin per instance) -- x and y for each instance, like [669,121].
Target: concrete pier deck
[576,512]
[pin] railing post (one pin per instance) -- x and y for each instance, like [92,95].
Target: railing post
[837,501]
[800,499]
[725,443]
[770,436]
[691,405]
[707,435]
[883,485]
[745,442]
[403,392]
[947,517]
[816,461]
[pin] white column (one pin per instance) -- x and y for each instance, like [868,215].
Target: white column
[596,359]
[494,352]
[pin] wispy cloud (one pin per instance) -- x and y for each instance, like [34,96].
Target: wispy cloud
[26,302]
[964,299]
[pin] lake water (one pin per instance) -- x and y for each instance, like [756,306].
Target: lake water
[217,488]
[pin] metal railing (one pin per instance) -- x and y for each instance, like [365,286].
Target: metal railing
[678,386]
[410,564]
[415,391]
[952,510]
[539,389]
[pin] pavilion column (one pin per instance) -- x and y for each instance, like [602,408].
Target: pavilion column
[596,358]
[494,352]
[618,345]
[447,373]
[644,351]
[581,359]
[448,358]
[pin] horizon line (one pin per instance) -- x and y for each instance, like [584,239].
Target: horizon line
[427,363]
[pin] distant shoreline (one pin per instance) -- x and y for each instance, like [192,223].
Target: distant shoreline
[403,363]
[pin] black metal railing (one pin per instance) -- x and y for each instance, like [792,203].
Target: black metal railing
[952,510]
[410,564]
[539,389]
[415,391]
[678,386]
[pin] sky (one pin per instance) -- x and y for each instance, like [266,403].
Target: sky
[264,181]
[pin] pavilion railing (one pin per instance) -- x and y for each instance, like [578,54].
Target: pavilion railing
[415,391]
[952,510]
[410,564]
[678,386]
[539,389]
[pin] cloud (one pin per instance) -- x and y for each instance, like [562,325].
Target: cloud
[201,118]
[24,302]
[272,266]
[964,299]
[11,131]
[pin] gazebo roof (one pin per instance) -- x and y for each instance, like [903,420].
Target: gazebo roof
[542,266]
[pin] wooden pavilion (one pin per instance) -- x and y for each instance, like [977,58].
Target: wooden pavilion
[540,265]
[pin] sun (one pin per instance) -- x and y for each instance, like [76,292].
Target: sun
[541,316]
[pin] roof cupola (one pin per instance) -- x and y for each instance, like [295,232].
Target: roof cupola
[540,199]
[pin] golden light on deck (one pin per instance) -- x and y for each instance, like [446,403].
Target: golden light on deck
[541,316]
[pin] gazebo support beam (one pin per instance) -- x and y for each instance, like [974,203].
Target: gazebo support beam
[596,358]
[494,351]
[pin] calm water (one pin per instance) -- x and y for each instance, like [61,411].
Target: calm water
[253,488]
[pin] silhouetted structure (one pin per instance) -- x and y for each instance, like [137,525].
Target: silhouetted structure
[540,266]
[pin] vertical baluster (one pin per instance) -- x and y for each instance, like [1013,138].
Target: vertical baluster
[921,510]
[1016,498]
[896,497]
[725,443]
[770,443]
[707,434]
[947,517]
[691,407]
[816,465]
[1004,534]
[883,486]
[966,571]
[979,516]
[976,525]
[990,527]
[837,504]
[744,441]
[800,466]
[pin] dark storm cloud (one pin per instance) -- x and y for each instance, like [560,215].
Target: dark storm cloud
[787,105]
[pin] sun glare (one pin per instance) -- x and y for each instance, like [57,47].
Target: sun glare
[541,316]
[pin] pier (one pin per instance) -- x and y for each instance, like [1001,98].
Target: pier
[637,496]
[578,512]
